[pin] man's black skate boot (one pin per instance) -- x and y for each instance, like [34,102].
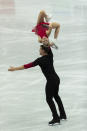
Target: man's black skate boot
[63,117]
[54,121]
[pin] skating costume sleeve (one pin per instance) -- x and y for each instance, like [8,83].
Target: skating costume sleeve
[32,64]
[28,65]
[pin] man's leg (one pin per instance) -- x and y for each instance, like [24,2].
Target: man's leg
[60,106]
[52,107]
[50,102]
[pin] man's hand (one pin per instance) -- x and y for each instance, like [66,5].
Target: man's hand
[11,68]
[16,68]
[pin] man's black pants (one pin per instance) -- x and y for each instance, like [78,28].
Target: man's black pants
[52,89]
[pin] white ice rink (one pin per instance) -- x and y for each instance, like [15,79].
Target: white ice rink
[22,93]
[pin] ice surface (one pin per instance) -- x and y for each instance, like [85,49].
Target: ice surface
[22,94]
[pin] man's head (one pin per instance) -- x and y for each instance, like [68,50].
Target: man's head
[44,50]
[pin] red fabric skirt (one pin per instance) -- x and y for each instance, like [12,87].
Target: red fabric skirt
[41,29]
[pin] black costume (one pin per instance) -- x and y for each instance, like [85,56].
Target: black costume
[52,85]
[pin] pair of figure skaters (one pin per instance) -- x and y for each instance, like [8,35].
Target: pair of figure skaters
[43,30]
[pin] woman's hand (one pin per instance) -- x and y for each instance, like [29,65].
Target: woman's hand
[51,44]
[11,68]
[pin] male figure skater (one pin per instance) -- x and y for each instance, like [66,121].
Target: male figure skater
[53,81]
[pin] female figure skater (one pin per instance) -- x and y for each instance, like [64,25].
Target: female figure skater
[43,29]
[53,81]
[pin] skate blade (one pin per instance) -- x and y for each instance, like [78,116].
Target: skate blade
[55,124]
[63,119]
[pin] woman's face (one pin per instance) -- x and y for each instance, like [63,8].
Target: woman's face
[45,40]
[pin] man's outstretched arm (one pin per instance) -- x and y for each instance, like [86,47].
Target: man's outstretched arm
[26,66]
[16,68]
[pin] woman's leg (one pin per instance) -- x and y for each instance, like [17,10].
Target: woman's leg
[41,16]
[55,26]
